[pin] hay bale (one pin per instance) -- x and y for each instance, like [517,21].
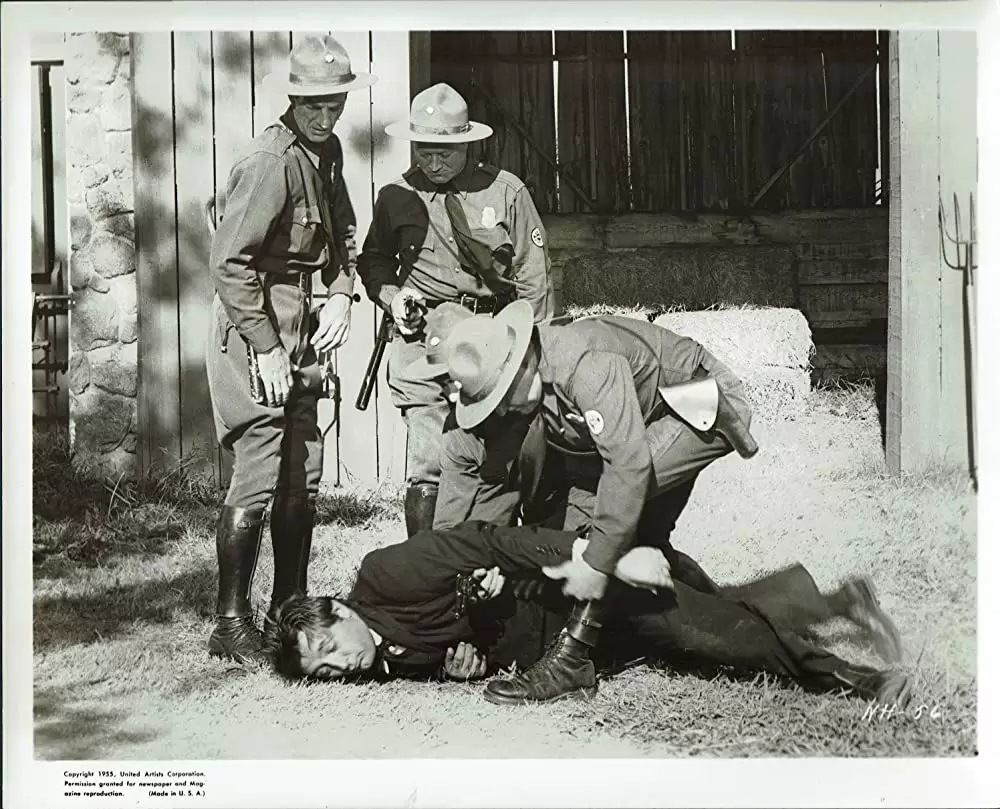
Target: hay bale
[769,349]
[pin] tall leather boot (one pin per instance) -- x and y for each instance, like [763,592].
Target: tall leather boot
[292,521]
[418,508]
[564,670]
[237,544]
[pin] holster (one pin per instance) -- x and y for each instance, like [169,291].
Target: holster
[703,406]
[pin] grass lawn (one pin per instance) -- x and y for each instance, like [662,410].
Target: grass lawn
[125,586]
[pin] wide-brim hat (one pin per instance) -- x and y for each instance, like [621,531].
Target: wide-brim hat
[317,66]
[439,326]
[484,356]
[439,114]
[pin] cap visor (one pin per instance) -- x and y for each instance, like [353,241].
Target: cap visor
[520,317]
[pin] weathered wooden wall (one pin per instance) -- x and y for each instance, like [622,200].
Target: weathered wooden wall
[196,101]
[669,139]
[661,121]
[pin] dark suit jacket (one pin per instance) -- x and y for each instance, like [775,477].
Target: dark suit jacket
[407,593]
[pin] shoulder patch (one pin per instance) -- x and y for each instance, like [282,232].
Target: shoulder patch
[595,421]
[536,237]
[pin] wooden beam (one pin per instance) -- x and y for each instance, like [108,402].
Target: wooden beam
[933,149]
[194,183]
[420,61]
[47,48]
[597,232]
[156,248]
[390,158]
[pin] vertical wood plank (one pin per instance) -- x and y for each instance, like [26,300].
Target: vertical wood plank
[654,88]
[420,61]
[390,158]
[609,149]
[712,176]
[574,118]
[502,81]
[270,49]
[538,116]
[195,182]
[232,83]
[855,129]
[38,224]
[57,80]
[156,247]
[883,102]
[914,352]
[744,98]
[958,176]
[355,452]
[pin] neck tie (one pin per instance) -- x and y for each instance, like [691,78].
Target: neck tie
[475,255]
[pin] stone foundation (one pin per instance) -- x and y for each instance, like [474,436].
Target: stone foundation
[103,338]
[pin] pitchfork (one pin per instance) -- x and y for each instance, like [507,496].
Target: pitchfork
[965,262]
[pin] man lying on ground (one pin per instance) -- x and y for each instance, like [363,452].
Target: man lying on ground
[441,604]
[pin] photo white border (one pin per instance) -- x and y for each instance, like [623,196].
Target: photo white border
[439,783]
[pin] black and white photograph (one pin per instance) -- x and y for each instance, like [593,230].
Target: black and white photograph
[535,390]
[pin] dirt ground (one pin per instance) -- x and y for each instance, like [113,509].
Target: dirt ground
[120,629]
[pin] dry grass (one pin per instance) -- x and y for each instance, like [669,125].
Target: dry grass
[121,670]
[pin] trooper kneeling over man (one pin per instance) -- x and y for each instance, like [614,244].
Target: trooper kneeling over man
[442,605]
[407,608]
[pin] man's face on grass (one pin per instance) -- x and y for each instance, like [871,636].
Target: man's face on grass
[344,648]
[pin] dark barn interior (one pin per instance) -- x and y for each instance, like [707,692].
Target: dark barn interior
[702,168]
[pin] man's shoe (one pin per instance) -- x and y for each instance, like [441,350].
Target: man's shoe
[564,670]
[884,687]
[863,609]
[237,639]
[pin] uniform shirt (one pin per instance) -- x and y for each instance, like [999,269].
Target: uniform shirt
[600,380]
[410,228]
[281,217]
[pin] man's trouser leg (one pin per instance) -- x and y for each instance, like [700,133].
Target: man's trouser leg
[253,435]
[750,635]
[424,408]
[293,511]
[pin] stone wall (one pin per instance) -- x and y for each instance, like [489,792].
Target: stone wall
[103,339]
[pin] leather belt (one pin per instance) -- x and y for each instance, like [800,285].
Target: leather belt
[489,304]
[296,279]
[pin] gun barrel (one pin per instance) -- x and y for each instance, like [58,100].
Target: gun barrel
[371,372]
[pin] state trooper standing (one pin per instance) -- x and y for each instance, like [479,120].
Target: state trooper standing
[449,230]
[287,214]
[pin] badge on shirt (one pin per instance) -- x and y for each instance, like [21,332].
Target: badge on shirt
[536,237]
[595,421]
[489,217]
